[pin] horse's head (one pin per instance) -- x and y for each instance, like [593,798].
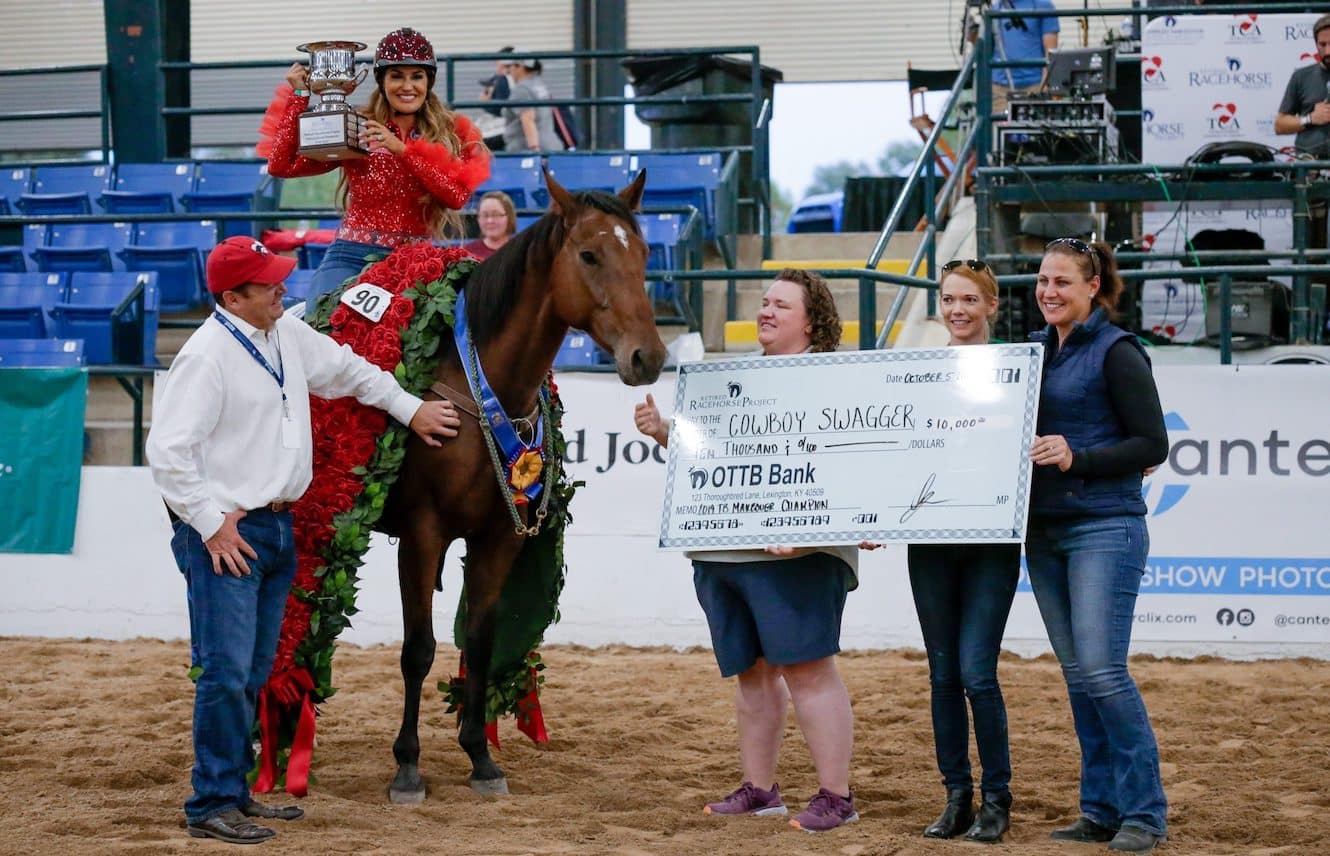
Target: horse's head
[597,281]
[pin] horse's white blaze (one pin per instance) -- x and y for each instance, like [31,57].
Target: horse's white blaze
[621,234]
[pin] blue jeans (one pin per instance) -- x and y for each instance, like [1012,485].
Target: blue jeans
[233,624]
[963,594]
[343,260]
[1086,573]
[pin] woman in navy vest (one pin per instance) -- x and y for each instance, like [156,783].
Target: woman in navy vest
[962,594]
[1100,426]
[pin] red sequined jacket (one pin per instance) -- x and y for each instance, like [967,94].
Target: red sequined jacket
[384,190]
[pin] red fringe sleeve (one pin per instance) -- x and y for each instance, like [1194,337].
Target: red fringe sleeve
[279,137]
[449,178]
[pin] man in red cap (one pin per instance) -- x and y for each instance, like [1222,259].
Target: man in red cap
[230,450]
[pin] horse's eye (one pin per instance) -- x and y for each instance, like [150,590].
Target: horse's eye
[589,257]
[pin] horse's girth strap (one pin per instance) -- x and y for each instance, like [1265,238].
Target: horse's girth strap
[460,400]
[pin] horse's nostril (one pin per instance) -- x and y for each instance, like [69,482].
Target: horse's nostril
[639,366]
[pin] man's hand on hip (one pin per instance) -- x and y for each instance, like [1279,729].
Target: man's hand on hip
[228,549]
[435,419]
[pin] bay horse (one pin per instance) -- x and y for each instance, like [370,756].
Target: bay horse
[581,265]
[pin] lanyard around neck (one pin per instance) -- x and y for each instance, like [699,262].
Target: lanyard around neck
[278,374]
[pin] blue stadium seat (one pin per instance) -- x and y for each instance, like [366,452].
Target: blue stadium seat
[590,171]
[176,251]
[14,182]
[820,212]
[148,188]
[88,313]
[518,176]
[40,353]
[666,250]
[310,255]
[683,179]
[15,259]
[580,351]
[231,186]
[83,246]
[524,220]
[64,189]
[297,286]
[25,303]
[11,260]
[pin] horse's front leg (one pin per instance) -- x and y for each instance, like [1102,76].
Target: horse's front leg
[418,560]
[487,567]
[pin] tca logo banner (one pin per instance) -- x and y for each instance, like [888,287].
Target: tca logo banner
[1245,30]
[1224,118]
[1152,72]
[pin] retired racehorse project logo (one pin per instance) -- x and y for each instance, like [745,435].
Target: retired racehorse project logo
[734,388]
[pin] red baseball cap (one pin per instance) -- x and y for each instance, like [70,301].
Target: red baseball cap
[239,260]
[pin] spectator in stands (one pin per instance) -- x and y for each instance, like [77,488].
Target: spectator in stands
[498,222]
[529,129]
[497,87]
[962,595]
[424,160]
[775,615]
[230,450]
[1021,38]
[1099,426]
[1305,110]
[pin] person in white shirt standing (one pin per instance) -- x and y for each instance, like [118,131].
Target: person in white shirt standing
[230,450]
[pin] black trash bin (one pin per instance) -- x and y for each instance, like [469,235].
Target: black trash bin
[707,124]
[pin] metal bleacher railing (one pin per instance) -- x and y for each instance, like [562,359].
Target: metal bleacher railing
[52,78]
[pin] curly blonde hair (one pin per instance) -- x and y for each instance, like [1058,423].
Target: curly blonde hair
[436,124]
[819,306]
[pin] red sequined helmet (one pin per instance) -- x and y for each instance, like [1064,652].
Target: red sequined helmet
[404,47]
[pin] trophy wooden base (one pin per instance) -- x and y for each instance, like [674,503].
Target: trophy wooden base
[331,135]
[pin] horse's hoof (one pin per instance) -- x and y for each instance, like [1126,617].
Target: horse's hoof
[406,796]
[490,787]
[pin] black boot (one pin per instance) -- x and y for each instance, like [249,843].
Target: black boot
[956,817]
[994,818]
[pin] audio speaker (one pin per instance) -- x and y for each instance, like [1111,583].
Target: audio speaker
[1259,311]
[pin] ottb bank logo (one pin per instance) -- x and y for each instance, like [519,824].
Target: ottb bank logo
[1224,120]
[1160,130]
[1195,455]
[1152,72]
[1245,30]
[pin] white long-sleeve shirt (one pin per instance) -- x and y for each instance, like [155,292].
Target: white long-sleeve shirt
[216,440]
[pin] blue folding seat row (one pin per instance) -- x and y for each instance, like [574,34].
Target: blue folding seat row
[40,353]
[207,187]
[94,307]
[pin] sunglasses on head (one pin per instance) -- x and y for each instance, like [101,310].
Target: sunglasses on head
[973,264]
[1079,246]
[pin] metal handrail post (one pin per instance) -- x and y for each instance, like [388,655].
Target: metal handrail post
[983,109]
[930,146]
[930,216]
[1226,320]
[867,314]
[902,291]
[1301,322]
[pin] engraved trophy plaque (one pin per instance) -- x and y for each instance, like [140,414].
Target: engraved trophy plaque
[331,131]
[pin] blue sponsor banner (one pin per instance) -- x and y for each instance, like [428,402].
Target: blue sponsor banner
[1229,575]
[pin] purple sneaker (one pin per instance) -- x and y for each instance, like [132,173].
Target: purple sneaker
[749,799]
[825,812]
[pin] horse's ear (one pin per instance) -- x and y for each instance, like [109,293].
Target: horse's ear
[561,201]
[632,194]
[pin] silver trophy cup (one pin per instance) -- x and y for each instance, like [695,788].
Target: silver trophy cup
[331,131]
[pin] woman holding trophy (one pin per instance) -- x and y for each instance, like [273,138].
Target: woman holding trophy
[407,167]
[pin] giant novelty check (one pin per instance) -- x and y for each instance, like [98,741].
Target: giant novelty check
[922,445]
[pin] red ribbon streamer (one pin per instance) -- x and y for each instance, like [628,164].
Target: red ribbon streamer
[302,751]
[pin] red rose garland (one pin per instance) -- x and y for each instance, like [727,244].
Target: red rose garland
[346,436]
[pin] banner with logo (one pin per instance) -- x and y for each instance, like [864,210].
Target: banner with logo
[1215,78]
[41,457]
[1207,79]
[1237,514]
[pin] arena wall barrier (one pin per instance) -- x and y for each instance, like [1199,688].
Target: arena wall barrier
[1239,565]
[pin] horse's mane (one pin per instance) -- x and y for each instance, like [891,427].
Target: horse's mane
[496,285]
